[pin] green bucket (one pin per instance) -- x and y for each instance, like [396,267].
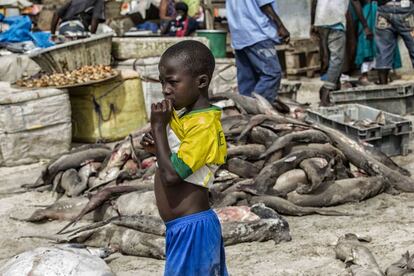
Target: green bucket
[217,41]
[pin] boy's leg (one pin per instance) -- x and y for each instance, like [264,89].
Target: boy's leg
[246,77]
[386,42]
[263,56]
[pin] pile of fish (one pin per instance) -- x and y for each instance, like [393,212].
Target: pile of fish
[352,250]
[366,123]
[278,164]
[84,74]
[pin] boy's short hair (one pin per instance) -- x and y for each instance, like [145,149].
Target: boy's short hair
[194,55]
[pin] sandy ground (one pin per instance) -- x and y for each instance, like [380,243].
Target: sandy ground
[387,219]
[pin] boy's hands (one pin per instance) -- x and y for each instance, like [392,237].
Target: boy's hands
[161,113]
[148,143]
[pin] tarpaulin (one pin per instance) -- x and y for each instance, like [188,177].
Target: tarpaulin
[20,30]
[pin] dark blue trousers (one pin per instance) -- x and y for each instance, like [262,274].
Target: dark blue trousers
[258,70]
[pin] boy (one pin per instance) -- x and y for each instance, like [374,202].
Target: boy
[189,148]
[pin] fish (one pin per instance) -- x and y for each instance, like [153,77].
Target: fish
[353,252]
[63,209]
[268,175]
[245,104]
[362,159]
[142,223]
[137,203]
[285,207]
[306,136]
[249,151]
[56,183]
[78,260]
[224,175]
[125,240]
[272,117]
[366,123]
[403,267]
[236,214]
[119,156]
[289,181]
[72,183]
[228,198]
[276,156]
[340,192]
[255,231]
[261,135]
[384,159]
[70,160]
[97,200]
[318,170]
[242,168]
[234,125]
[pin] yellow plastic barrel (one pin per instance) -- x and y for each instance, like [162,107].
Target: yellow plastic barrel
[108,111]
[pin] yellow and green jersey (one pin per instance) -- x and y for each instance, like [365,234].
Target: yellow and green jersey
[198,146]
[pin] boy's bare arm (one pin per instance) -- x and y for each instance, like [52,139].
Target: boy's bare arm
[160,117]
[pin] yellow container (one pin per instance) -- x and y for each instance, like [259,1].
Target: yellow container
[108,111]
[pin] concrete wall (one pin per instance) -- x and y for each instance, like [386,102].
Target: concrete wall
[295,14]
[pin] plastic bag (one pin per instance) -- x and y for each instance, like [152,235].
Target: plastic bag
[20,31]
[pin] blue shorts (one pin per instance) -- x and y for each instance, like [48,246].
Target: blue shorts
[194,246]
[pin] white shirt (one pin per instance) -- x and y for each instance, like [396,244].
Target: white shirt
[331,12]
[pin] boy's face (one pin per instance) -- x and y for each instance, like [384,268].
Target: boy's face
[178,85]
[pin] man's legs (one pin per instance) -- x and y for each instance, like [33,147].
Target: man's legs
[386,42]
[336,45]
[246,76]
[263,57]
[404,25]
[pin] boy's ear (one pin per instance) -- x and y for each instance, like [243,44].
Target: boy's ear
[203,81]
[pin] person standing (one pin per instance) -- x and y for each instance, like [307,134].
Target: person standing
[78,16]
[190,146]
[182,25]
[394,18]
[328,20]
[167,12]
[255,30]
[366,49]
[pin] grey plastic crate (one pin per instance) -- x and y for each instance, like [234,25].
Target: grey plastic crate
[289,89]
[397,99]
[391,138]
